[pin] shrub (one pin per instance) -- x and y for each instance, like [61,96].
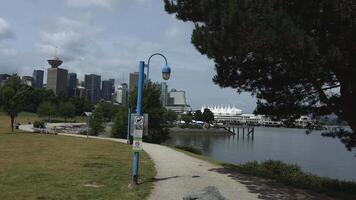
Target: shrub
[39,124]
[189,149]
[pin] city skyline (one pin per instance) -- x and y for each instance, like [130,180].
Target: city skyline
[96,38]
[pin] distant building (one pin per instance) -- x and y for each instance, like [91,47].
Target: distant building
[57,78]
[72,84]
[92,84]
[3,78]
[163,87]
[177,102]
[27,80]
[80,92]
[122,94]
[133,80]
[113,85]
[37,77]
[106,91]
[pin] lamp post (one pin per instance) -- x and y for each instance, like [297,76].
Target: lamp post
[166,71]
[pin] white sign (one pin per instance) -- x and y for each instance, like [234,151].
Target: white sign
[137,145]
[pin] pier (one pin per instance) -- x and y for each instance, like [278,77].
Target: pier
[240,129]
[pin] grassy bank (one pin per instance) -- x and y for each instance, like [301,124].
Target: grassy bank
[58,167]
[292,175]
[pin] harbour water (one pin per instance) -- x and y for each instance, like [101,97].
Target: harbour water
[313,153]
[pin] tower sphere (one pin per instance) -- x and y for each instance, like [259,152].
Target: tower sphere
[54,62]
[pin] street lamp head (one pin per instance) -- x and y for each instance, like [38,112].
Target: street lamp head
[166,72]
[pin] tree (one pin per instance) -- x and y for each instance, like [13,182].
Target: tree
[13,97]
[186,118]
[119,128]
[109,110]
[295,56]
[66,110]
[46,109]
[198,116]
[157,132]
[208,116]
[96,122]
[81,105]
[170,115]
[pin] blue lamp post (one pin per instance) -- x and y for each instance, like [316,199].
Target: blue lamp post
[166,72]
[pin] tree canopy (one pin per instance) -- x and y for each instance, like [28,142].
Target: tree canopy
[296,56]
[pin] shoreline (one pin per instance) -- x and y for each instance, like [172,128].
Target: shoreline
[190,131]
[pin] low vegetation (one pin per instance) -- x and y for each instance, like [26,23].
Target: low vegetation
[292,175]
[37,166]
[189,149]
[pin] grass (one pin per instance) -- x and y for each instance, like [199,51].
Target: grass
[288,174]
[37,166]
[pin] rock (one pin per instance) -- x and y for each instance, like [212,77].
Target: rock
[208,193]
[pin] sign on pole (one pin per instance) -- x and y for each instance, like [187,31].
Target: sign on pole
[145,123]
[137,133]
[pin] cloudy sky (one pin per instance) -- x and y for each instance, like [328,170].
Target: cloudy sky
[109,37]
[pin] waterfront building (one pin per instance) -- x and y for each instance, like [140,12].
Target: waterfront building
[106,91]
[57,77]
[224,113]
[27,80]
[92,84]
[37,77]
[72,84]
[3,78]
[176,101]
[122,94]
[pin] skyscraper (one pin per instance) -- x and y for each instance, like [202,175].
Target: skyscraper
[133,80]
[72,84]
[106,91]
[57,77]
[113,85]
[164,93]
[92,84]
[122,94]
[37,78]
[27,80]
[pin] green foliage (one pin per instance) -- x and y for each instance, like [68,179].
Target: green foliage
[190,126]
[170,115]
[66,110]
[294,176]
[286,53]
[96,122]
[81,105]
[46,109]
[14,97]
[189,149]
[187,118]
[198,116]
[109,110]
[208,116]
[119,128]
[39,124]
[157,132]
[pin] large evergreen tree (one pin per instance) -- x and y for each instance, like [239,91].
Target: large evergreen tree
[296,56]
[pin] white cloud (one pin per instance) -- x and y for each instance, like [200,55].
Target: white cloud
[101,3]
[5,30]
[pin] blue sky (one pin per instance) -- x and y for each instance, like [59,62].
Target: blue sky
[109,37]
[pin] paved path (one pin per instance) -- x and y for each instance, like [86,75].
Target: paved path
[178,174]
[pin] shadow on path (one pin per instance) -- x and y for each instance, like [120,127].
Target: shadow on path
[163,179]
[269,189]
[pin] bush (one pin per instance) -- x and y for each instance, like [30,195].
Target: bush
[191,126]
[189,149]
[39,124]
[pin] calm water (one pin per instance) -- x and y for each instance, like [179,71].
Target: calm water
[314,153]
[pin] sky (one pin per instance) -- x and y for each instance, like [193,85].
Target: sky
[109,38]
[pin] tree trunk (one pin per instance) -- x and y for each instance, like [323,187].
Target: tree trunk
[12,123]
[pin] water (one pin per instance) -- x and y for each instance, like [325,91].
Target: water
[313,153]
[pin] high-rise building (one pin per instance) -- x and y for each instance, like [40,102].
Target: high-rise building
[133,80]
[163,87]
[27,80]
[37,77]
[113,85]
[80,92]
[106,91]
[177,101]
[122,94]
[92,84]
[3,78]
[72,84]
[57,78]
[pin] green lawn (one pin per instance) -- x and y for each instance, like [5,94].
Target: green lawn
[34,166]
